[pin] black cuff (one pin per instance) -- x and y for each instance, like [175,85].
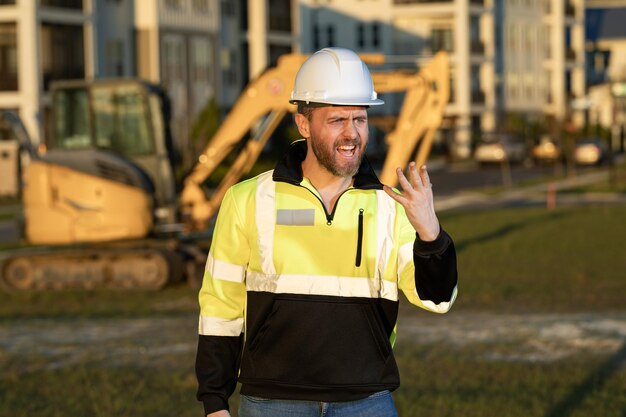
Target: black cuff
[437,246]
[213,404]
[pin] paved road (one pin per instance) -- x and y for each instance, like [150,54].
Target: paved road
[458,186]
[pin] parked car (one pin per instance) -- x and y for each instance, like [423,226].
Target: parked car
[547,150]
[500,147]
[590,151]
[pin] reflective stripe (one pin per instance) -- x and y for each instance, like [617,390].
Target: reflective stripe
[386,214]
[264,212]
[224,271]
[405,256]
[321,285]
[217,326]
[441,307]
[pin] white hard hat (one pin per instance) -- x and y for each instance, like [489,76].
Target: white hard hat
[335,76]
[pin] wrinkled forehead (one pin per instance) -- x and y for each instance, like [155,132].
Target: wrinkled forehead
[341,111]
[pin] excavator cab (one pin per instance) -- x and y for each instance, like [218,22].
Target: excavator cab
[97,192]
[107,169]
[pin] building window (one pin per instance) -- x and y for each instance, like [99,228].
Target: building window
[330,32]
[201,6]
[174,59]
[114,53]
[452,97]
[441,40]
[375,34]
[8,57]
[62,52]
[6,131]
[513,85]
[547,43]
[201,64]
[229,74]
[276,51]
[529,85]
[228,8]
[7,2]
[474,28]
[280,15]
[512,37]
[360,35]
[316,37]
[64,4]
[173,4]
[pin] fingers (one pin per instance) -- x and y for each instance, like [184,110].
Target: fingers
[403,181]
[425,177]
[417,180]
[391,193]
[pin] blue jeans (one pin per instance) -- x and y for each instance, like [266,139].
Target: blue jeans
[379,404]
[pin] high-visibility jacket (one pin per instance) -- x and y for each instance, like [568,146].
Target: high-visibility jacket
[299,303]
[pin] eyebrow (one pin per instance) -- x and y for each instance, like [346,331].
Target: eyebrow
[344,117]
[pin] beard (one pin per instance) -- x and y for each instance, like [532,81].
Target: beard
[327,156]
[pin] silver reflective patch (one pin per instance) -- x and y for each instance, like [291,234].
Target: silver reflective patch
[304,217]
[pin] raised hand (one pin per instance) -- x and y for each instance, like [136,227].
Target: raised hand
[417,199]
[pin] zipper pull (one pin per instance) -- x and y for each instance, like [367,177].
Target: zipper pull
[359,239]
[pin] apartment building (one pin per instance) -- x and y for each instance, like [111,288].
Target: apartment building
[605,38]
[522,56]
[507,56]
[254,33]
[177,46]
[170,42]
[41,41]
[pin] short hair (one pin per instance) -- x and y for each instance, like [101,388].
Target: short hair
[306,109]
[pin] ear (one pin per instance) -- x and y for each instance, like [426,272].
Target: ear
[303,125]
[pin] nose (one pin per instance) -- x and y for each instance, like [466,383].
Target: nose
[350,130]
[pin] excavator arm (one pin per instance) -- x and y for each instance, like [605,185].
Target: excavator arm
[420,116]
[268,94]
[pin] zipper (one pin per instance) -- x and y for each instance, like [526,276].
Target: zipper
[359,245]
[329,216]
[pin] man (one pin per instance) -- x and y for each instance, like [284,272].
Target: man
[300,295]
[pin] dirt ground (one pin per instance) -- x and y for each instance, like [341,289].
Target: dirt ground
[40,344]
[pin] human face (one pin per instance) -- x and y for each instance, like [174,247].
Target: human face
[337,137]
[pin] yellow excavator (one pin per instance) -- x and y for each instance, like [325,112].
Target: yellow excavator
[101,207]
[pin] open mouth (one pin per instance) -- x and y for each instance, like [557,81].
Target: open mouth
[347,151]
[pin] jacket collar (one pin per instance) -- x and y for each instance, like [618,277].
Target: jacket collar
[289,169]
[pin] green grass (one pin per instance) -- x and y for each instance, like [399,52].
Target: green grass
[442,382]
[88,391]
[174,300]
[566,259]
[510,260]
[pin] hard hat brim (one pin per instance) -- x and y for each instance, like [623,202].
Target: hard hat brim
[341,102]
